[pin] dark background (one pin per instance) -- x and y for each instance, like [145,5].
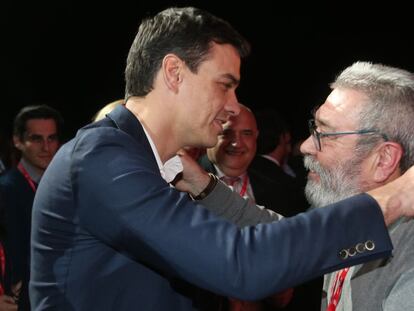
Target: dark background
[71,55]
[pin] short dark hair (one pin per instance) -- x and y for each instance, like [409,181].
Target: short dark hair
[36,112]
[271,126]
[187,32]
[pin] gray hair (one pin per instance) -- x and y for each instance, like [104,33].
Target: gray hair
[389,108]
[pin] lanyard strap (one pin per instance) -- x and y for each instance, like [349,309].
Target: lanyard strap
[337,289]
[233,181]
[27,177]
[244,185]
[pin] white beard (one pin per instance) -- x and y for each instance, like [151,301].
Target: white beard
[336,184]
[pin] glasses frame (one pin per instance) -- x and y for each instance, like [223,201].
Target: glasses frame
[316,136]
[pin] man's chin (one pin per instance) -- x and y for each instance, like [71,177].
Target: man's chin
[42,165]
[209,143]
[313,176]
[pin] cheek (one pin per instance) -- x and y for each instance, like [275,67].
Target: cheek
[54,147]
[221,146]
[29,148]
[251,145]
[326,163]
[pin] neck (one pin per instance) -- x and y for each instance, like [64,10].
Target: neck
[34,172]
[157,123]
[277,155]
[232,172]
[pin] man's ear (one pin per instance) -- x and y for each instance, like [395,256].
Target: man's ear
[17,142]
[387,161]
[172,69]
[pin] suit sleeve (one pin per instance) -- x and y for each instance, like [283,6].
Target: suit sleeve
[227,204]
[124,202]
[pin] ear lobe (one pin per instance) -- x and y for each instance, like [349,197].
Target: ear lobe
[389,157]
[17,143]
[172,67]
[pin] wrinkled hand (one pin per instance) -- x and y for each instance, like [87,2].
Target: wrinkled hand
[193,179]
[396,198]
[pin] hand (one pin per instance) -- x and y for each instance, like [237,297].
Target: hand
[7,303]
[396,198]
[193,179]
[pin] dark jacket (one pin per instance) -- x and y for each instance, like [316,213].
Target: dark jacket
[110,234]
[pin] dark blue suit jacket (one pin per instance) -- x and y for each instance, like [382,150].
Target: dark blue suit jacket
[109,233]
[16,201]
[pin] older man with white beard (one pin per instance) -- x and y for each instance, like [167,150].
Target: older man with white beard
[362,137]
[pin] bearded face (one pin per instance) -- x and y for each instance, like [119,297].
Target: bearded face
[335,183]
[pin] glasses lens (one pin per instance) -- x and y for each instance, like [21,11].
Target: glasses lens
[316,141]
[314,134]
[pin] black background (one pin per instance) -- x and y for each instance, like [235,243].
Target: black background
[71,55]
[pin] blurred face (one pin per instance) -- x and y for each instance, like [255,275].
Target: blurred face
[236,146]
[336,172]
[208,96]
[40,142]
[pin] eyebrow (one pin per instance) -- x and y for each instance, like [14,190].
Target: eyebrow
[324,123]
[232,78]
[40,135]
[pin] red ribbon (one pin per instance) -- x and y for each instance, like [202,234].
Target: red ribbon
[337,289]
[27,177]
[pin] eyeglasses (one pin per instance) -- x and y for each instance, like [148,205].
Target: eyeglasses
[316,136]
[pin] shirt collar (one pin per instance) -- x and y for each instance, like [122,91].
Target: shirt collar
[220,174]
[270,158]
[171,168]
[31,170]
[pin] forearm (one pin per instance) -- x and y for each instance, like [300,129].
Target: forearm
[225,203]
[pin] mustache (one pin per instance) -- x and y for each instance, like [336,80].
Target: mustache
[311,164]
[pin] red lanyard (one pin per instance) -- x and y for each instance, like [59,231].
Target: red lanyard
[27,176]
[232,181]
[244,185]
[2,267]
[337,289]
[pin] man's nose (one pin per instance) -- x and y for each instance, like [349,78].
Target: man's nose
[236,140]
[232,105]
[308,147]
[46,144]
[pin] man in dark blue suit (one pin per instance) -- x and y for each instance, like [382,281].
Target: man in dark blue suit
[110,233]
[36,132]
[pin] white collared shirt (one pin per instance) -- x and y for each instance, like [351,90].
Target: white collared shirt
[249,190]
[171,168]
